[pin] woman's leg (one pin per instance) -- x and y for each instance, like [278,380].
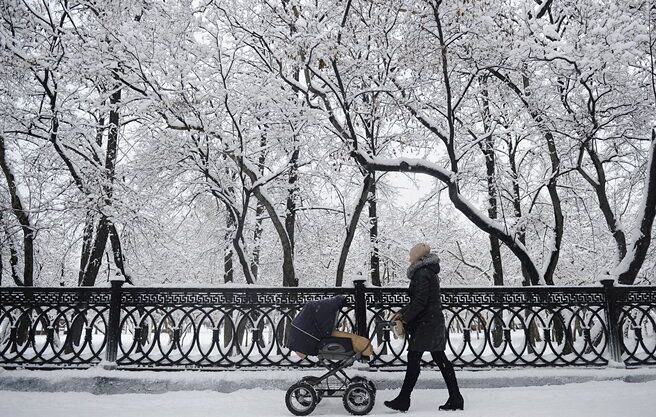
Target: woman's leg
[411,373]
[449,375]
[402,401]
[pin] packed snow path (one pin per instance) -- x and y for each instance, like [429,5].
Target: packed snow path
[598,399]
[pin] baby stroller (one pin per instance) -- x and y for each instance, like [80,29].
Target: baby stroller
[313,333]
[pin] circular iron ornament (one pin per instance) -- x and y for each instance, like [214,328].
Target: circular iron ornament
[52,335]
[638,328]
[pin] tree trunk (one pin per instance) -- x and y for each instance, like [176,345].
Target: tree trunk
[257,237]
[241,254]
[487,146]
[495,253]
[259,211]
[112,144]
[117,252]
[96,252]
[13,254]
[374,263]
[87,243]
[22,216]
[559,220]
[228,276]
[517,203]
[628,269]
[236,235]
[292,191]
[351,228]
[599,187]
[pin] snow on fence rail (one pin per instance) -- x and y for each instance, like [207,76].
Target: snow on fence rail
[220,328]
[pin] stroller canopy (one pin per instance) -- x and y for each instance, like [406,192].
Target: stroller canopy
[314,322]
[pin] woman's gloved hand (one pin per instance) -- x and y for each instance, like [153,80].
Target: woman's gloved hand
[397,325]
[398,329]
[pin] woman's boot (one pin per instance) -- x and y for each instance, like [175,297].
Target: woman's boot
[402,401]
[455,401]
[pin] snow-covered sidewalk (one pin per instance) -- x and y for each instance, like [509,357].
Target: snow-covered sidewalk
[597,398]
[100,381]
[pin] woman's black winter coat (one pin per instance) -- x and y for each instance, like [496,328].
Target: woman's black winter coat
[423,318]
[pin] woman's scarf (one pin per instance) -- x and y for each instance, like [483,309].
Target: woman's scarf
[426,260]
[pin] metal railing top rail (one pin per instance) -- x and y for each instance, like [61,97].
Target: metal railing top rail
[6,293]
[256,287]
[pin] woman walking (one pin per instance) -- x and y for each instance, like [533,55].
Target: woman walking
[424,324]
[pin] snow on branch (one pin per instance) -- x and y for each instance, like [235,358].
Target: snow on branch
[403,165]
[429,168]
[449,178]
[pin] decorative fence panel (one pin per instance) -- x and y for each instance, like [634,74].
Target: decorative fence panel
[507,326]
[635,310]
[174,328]
[214,328]
[38,326]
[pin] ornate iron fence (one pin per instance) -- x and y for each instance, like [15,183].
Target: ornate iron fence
[167,328]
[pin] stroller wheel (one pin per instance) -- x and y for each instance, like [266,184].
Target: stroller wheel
[301,399]
[373,387]
[365,381]
[314,381]
[358,398]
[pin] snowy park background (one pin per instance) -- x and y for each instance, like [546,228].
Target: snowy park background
[234,145]
[292,143]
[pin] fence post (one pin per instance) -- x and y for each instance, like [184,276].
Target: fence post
[114,322]
[360,308]
[613,317]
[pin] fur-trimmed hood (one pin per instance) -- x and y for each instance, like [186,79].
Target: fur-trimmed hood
[430,260]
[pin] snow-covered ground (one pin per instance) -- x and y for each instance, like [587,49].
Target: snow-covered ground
[594,399]
[526,392]
[101,381]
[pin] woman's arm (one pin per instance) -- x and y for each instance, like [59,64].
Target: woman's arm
[418,303]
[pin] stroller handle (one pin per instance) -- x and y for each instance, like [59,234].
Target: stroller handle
[385,324]
[394,326]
